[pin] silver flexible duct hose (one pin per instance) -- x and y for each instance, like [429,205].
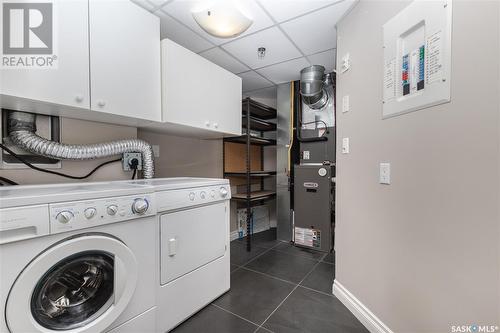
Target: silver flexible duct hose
[22,133]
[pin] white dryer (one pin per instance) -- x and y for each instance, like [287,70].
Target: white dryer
[78,258]
[193,227]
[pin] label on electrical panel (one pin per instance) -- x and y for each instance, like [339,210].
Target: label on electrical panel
[434,59]
[389,80]
[306,155]
[308,237]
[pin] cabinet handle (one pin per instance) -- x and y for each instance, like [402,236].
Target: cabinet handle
[101,104]
[79,98]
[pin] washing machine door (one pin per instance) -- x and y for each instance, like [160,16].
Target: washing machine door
[81,284]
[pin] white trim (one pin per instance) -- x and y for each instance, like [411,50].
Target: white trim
[234,235]
[359,310]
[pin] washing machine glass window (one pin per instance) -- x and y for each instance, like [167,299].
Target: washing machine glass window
[75,291]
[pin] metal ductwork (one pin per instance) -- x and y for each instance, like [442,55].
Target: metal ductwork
[22,130]
[312,87]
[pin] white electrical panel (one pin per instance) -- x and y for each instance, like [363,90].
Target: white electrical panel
[417,57]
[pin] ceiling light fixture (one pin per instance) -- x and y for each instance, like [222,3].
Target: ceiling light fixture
[222,20]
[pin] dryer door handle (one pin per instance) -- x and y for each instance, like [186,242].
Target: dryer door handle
[172,247]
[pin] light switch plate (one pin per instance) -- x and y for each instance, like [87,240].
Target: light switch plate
[345,146]
[385,173]
[345,103]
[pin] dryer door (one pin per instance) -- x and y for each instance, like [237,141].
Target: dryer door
[79,285]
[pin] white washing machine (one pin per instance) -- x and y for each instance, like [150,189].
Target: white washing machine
[78,258]
[193,264]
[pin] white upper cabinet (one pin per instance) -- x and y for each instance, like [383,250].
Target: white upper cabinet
[198,97]
[125,60]
[108,65]
[67,82]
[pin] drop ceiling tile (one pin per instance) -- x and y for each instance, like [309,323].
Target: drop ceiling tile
[144,4]
[253,81]
[175,31]
[282,10]
[316,32]
[221,58]
[327,59]
[278,48]
[182,10]
[158,3]
[285,71]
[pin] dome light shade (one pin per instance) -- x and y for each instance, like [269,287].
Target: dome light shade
[223,21]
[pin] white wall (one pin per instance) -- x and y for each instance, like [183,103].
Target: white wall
[422,253]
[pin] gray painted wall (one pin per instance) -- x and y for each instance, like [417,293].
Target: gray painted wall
[422,253]
[185,157]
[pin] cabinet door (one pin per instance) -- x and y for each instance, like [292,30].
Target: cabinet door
[67,83]
[225,101]
[198,93]
[124,60]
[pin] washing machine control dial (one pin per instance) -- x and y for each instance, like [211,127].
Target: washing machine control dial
[223,192]
[112,210]
[203,195]
[90,212]
[140,206]
[65,216]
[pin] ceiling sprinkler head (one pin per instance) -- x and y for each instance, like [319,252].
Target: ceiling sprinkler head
[261,52]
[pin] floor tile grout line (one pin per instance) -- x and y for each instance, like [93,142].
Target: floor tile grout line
[299,255]
[283,301]
[269,249]
[234,314]
[318,291]
[268,275]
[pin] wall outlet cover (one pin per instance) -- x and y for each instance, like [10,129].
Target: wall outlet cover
[127,161]
[345,146]
[385,173]
[345,103]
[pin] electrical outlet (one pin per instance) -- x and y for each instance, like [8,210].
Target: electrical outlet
[345,103]
[345,146]
[128,158]
[385,173]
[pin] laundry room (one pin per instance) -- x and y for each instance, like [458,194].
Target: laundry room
[250,166]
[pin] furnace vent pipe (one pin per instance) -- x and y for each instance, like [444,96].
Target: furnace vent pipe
[311,87]
[22,128]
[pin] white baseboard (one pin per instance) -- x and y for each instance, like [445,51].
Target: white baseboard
[359,310]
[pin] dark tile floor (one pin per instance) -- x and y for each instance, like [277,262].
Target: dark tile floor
[277,288]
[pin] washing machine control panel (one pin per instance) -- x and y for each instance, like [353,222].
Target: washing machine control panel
[75,215]
[175,199]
